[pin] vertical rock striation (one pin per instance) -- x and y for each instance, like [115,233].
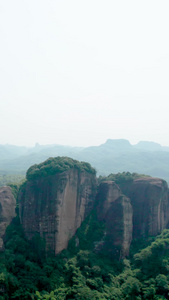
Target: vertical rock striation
[116,211]
[55,206]
[61,192]
[7,210]
[150,202]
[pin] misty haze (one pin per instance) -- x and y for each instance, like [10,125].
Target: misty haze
[84,150]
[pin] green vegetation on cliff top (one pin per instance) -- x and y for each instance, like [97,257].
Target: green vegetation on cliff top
[54,165]
[123,177]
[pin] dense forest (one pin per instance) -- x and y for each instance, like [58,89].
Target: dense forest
[79,272]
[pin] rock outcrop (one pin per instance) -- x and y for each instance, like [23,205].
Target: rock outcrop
[61,192]
[54,206]
[141,213]
[7,210]
[115,210]
[150,202]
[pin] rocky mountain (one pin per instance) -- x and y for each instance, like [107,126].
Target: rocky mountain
[54,206]
[60,194]
[107,228]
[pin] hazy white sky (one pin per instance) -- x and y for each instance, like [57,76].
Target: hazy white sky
[80,72]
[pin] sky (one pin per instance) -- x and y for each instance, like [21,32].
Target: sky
[81,72]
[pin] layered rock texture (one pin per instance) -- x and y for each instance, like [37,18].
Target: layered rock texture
[116,211]
[60,193]
[54,206]
[150,202]
[7,210]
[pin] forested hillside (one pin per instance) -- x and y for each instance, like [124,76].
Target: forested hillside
[79,273]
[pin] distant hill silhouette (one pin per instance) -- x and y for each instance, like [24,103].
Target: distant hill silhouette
[111,157]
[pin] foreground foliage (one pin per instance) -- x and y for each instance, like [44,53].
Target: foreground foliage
[26,272]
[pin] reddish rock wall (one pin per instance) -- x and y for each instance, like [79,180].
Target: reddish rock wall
[116,211]
[150,202]
[7,210]
[55,206]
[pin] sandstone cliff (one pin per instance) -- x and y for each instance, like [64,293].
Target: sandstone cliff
[150,202]
[116,211]
[54,206]
[61,192]
[7,210]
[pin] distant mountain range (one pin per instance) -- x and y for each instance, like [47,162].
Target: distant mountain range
[111,157]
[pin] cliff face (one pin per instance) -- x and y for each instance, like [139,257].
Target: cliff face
[61,192]
[7,210]
[116,211]
[142,212]
[150,202]
[56,205]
